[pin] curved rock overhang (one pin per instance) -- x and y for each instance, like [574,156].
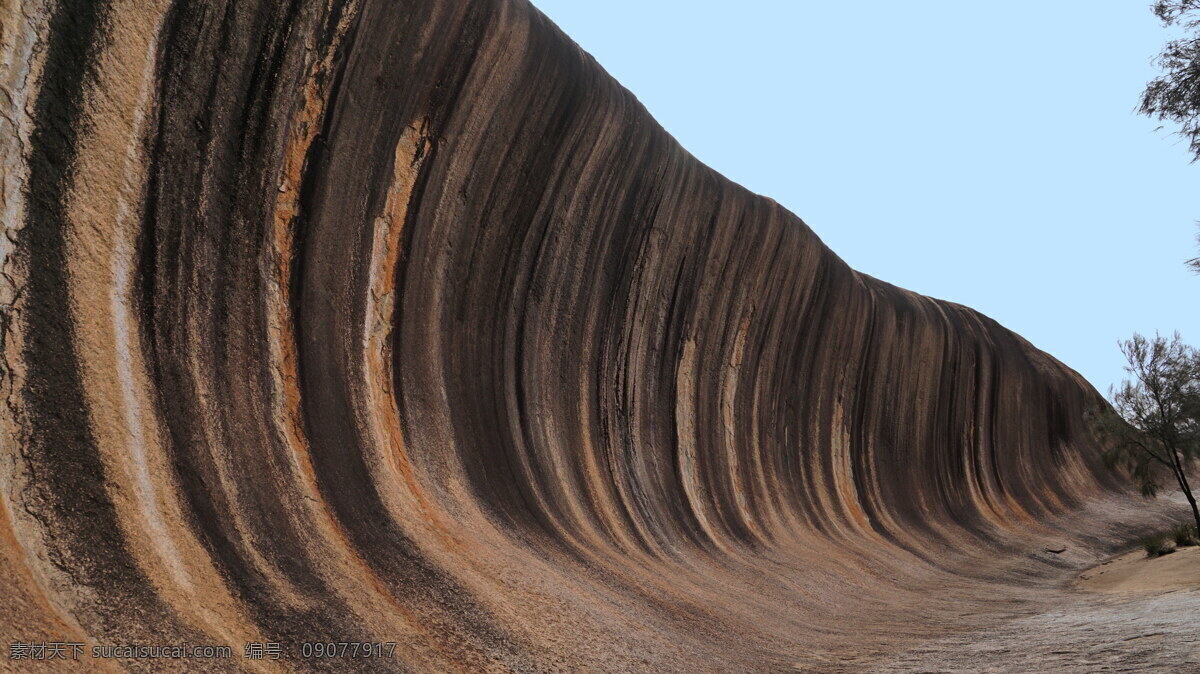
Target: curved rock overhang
[404,322]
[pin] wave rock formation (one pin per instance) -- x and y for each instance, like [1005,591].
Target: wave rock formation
[403,322]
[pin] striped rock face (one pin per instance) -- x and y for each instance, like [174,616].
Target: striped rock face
[388,321]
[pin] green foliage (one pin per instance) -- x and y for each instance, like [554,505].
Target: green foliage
[1174,96]
[1194,263]
[1184,534]
[1156,545]
[1153,427]
[1181,535]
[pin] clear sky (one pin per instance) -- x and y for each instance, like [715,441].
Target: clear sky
[984,153]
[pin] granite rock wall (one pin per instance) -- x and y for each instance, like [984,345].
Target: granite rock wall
[402,321]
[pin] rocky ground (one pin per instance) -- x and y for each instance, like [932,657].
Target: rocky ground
[1084,632]
[1128,614]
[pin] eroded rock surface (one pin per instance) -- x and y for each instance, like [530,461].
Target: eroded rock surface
[402,321]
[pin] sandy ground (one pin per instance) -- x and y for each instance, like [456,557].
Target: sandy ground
[1129,613]
[1134,572]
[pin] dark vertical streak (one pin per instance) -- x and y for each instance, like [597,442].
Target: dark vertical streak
[67,492]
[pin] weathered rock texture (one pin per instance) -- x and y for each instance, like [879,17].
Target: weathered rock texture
[402,321]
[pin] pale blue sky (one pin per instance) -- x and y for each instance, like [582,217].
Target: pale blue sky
[984,153]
